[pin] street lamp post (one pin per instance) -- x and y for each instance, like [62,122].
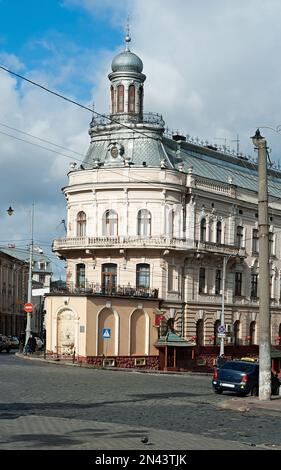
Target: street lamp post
[225,259]
[264,294]
[29,291]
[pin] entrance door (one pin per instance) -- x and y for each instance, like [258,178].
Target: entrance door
[109,278]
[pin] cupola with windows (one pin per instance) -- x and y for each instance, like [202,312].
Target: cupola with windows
[126,88]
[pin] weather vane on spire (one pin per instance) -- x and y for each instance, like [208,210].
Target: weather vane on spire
[128,36]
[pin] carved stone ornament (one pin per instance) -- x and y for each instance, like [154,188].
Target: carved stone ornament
[114,151]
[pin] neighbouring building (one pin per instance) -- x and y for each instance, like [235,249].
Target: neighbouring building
[150,219]
[14,281]
[13,293]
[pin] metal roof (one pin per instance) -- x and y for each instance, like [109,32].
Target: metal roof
[23,255]
[219,167]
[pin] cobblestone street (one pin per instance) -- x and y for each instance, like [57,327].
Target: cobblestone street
[52,406]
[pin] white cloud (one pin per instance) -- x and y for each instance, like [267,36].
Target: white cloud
[212,67]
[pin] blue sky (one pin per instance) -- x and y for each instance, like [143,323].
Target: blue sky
[49,33]
[212,67]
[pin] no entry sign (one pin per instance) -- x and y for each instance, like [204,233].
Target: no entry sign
[28,307]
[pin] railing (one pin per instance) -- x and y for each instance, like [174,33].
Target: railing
[120,241]
[114,291]
[148,242]
[146,118]
[219,248]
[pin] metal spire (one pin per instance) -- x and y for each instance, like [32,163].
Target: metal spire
[128,36]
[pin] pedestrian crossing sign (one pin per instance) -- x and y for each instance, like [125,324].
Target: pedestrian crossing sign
[106,333]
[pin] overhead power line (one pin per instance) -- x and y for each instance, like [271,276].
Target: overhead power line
[59,95]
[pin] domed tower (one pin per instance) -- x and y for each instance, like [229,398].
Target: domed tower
[127,136]
[126,88]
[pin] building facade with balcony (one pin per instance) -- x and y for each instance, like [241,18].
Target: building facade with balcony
[150,220]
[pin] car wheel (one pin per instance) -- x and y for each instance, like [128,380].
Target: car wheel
[219,391]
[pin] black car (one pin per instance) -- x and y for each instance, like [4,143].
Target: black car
[241,377]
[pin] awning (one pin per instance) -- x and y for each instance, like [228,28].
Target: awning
[172,339]
[275,353]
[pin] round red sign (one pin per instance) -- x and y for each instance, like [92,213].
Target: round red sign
[28,307]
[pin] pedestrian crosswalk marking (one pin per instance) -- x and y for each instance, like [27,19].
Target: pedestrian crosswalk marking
[106,332]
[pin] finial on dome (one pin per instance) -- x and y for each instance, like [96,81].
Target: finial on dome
[128,36]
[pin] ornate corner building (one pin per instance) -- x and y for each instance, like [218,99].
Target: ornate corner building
[152,220]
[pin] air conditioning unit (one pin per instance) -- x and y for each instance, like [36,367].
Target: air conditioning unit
[230,340]
[140,361]
[229,328]
[108,363]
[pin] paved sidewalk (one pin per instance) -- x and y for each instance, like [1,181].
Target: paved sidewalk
[39,356]
[41,433]
[247,404]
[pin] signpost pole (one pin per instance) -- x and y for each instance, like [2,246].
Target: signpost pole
[29,292]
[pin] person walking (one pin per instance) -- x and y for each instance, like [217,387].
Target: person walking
[31,344]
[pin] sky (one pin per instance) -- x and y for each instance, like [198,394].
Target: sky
[213,70]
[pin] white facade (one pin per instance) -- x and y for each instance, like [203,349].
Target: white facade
[140,216]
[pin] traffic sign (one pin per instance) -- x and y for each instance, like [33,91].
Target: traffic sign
[221,335]
[28,307]
[221,329]
[106,333]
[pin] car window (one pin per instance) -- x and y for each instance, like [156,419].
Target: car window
[241,366]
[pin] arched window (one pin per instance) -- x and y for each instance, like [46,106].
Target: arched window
[144,222]
[239,236]
[200,333]
[141,100]
[236,332]
[218,232]
[112,100]
[172,223]
[216,326]
[252,334]
[132,99]
[110,224]
[109,278]
[270,243]
[143,276]
[203,230]
[120,99]
[80,275]
[81,224]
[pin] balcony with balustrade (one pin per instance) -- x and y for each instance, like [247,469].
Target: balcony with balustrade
[100,290]
[154,119]
[131,242]
[79,243]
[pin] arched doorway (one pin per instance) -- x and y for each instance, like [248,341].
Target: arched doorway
[106,347]
[216,338]
[138,333]
[252,334]
[109,278]
[236,332]
[200,333]
[66,333]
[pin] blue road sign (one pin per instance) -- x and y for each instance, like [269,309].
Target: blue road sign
[106,333]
